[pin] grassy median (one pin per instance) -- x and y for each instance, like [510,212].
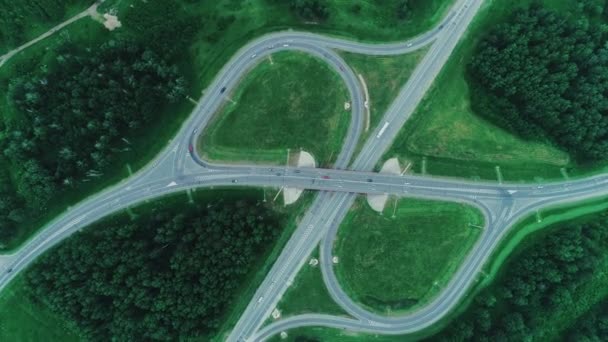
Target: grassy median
[308,293]
[24,318]
[445,137]
[384,76]
[289,101]
[393,263]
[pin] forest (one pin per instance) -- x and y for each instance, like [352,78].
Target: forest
[543,75]
[167,275]
[75,117]
[317,10]
[16,17]
[593,326]
[539,280]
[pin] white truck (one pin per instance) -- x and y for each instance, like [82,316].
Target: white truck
[384,127]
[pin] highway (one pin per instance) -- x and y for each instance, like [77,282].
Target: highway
[178,168]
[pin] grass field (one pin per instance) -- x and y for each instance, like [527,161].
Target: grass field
[308,294]
[38,17]
[384,76]
[24,319]
[392,264]
[451,140]
[292,101]
[522,234]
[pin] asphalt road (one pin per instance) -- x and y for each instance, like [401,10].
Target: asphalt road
[177,169]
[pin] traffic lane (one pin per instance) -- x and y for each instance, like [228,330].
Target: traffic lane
[331,58]
[299,252]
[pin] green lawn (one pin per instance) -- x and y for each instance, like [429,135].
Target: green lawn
[22,318]
[392,264]
[308,294]
[451,140]
[34,16]
[292,101]
[384,76]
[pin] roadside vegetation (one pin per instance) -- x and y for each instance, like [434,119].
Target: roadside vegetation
[21,21]
[290,101]
[384,76]
[24,318]
[399,260]
[591,326]
[128,276]
[308,294]
[452,134]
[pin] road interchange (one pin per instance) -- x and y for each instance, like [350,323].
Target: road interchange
[178,169]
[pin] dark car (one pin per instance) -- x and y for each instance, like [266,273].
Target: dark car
[222,90]
[234,181]
[297,171]
[9,270]
[370,180]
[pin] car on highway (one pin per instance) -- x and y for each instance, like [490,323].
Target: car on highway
[222,90]
[235,181]
[409,44]
[254,55]
[325,177]
[190,148]
[9,270]
[369,180]
[297,171]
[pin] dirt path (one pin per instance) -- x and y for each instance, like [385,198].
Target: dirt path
[91,11]
[367,102]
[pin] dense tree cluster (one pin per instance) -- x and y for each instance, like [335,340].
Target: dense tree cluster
[591,327]
[162,26]
[168,275]
[404,9]
[79,113]
[310,9]
[12,210]
[541,74]
[16,16]
[541,279]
